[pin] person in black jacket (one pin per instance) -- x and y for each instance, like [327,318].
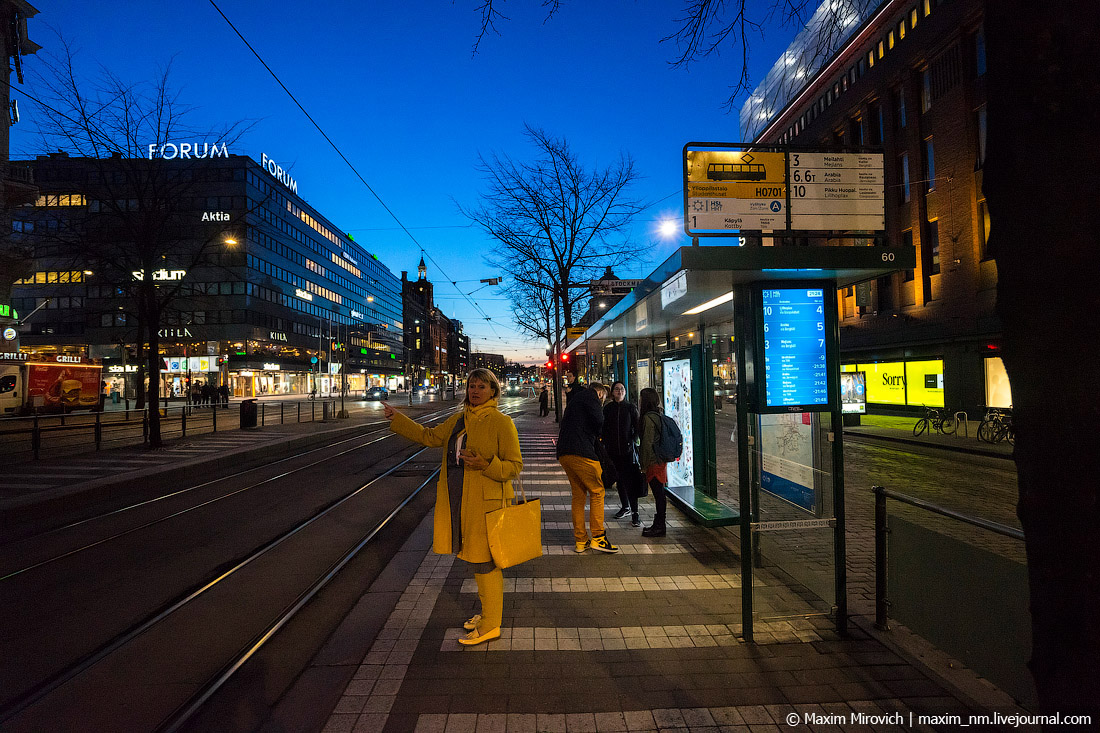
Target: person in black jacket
[544,402]
[620,429]
[577,436]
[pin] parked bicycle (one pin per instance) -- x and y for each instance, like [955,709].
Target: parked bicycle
[936,420]
[996,426]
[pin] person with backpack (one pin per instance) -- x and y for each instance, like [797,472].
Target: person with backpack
[659,438]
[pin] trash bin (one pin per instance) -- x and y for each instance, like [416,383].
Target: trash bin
[248,414]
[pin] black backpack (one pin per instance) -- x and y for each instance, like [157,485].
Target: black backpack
[669,444]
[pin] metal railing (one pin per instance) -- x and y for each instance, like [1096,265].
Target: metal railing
[78,432]
[882,602]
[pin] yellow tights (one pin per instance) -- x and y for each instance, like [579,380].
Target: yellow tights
[490,589]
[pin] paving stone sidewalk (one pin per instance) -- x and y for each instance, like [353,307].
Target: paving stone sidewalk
[644,640]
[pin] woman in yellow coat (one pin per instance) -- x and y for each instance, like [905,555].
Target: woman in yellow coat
[480,459]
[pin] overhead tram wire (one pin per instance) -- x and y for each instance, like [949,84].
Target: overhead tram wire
[339,152]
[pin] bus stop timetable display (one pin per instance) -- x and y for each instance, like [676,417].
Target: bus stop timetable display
[795,373]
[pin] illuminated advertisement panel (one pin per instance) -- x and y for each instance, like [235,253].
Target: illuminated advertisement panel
[885,382]
[998,391]
[67,386]
[924,382]
[677,385]
[853,392]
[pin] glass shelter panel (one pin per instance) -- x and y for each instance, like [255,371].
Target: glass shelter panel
[793,531]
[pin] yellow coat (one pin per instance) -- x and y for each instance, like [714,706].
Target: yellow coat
[492,434]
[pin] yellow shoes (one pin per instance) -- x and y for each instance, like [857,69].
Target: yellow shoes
[472,623]
[474,637]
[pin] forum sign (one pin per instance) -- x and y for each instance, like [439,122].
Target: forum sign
[187,151]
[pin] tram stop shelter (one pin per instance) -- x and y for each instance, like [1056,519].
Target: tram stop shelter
[742,344]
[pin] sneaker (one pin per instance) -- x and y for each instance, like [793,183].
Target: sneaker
[581,546]
[472,623]
[473,637]
[654,531]
[622,512]
[635,520]
[603,544]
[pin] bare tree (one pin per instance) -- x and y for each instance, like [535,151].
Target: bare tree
[134,225]
[560,222]
[556,223]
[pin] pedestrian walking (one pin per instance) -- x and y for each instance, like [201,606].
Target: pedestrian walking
[619,437]
[544,402]
[224,392]
[481,459]
[580,430]
[654,470]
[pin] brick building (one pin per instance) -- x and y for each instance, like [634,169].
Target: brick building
[437,349]
[909,80]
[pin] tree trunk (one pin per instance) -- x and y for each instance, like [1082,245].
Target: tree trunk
[152,326]
[1042,185]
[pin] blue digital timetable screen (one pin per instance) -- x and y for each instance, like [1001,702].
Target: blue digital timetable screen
[795,372]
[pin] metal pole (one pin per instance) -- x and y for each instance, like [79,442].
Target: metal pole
[557,358]
[36,437]
[183,421]
[98,430]
[882,605]
[742,331]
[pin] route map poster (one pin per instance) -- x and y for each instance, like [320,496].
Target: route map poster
[787,458]
[677,384]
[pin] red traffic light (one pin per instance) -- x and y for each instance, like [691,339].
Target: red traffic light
[564,358]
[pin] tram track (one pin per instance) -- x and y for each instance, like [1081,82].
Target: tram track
[178,655]
[141,650]
[10,546]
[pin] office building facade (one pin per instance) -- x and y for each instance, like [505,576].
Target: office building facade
[264,294]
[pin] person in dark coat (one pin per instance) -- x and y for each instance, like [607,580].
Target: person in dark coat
[620,431]
[544,402]
[576,451]
[654,469]
[224,392]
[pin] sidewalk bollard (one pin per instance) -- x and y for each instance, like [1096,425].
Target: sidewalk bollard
[299,412]
[214,412]
[882,604]
[281,421]
[313,412]
[98,431]
[263,414]
[145,425]
[324,412]
[36,437]
[183,422]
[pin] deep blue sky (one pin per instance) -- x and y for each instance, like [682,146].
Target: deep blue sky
[395,86]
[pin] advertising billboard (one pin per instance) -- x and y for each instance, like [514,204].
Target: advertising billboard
[677,387]
[64,385]
[853,392]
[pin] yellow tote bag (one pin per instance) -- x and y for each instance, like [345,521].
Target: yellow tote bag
[515,532]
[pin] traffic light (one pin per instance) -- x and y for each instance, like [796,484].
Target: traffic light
[565,358]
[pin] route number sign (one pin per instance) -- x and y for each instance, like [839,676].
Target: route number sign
[728,191]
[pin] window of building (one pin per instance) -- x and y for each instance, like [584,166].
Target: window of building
[899,106]
[852,75]
[979,121]
[979,50]
[871,58]
[861,66]
[61,199]
[932,243]
[881,49]
[913,18]
[876,131]
[983,230]
[925,90]
[890,39]
[929,160]
[903,174]
[907,241]
[901,29]
[856,127]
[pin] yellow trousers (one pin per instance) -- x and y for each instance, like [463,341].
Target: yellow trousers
[490,589]
[585,478]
